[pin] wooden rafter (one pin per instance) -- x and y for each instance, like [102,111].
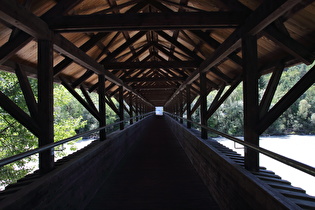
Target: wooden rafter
[146,21]
[12,13]
[279,34]
[179,45]
[290,45]
[264,15]
[13,46]
[151,64]
[85,47]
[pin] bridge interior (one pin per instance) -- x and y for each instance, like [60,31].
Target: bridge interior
[157,163]
[155,174]
[142,54]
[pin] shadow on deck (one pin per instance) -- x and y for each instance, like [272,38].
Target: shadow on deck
[155,174]
[156,163]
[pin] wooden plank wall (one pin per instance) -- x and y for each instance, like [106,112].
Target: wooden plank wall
[73,184]
[232,186]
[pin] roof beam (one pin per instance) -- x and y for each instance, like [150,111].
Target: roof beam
[154,79]
[147,21]
[151,64]
[264,15]
[85,47]
[22,38]
[11,47]
[157,89]
[16,15]
[178,45]
[278,33]
[214,44]
[289,44]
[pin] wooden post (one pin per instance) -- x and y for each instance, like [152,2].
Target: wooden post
[45,104]
[176,109]
[137,109]
[203,104]
[181,107]
[130,104]
[102,106]
[141,110]
[121,107]
[250,97]
[188,98]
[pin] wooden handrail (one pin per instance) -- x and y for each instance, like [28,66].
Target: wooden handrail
[22,155]
[288,161]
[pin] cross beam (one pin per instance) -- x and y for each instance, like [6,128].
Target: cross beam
[16,15]
[264,15]
[146,21]
[151,65]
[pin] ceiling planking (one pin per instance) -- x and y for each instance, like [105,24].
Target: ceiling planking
[155,48]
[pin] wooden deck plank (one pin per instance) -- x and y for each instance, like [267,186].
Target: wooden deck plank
[155,174]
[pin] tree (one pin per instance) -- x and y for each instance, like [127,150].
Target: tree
[15,138]
[299,118]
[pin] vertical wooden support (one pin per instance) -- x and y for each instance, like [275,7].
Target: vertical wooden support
[131,104]
[45,104]
[177,109]
[181,108]
[102,105]
[250,97]
[174,109]
[141,110]
[188,98]
[203,104]
[137,109]
[121,106]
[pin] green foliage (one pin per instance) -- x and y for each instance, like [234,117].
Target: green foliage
[229,116]
[298,119]
[15,138]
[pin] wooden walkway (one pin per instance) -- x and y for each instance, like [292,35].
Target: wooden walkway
[155,174]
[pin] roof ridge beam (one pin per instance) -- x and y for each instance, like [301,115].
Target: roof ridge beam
[151,64]
[146,21]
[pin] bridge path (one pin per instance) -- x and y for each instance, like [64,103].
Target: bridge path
[155,174]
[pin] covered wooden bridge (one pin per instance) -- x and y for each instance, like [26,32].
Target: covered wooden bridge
[148,53]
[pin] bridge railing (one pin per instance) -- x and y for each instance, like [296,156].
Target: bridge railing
[20,156]
[288,161]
